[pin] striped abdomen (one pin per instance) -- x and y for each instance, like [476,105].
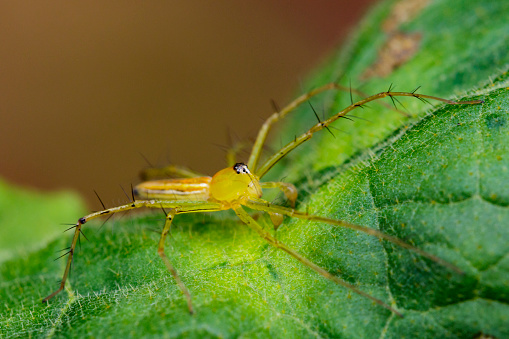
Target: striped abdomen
[175,189]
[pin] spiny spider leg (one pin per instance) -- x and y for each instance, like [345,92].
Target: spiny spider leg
[174,171]
[265,167]
[176,207]
[277,116]
[262,205]
[167,262]
[246,218]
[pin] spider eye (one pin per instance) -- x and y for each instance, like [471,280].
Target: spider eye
[240,168]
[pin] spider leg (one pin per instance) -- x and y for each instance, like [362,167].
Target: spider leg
[267,165]
[173,271]
[280,114]
[69,260]
[262,205]
[275,117]
[176,206]
[170,171]
[246,218]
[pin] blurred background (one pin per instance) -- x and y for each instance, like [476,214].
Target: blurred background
[86,87]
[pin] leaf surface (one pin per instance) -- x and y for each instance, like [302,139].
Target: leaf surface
[438,181]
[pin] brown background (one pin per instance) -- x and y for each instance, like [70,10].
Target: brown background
[86,87]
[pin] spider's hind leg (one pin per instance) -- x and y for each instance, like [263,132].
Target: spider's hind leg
[244,216]
[170,171]
[173,271]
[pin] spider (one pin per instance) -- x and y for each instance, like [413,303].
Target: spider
[239,186]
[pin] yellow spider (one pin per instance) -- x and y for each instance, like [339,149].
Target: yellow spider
[239,185]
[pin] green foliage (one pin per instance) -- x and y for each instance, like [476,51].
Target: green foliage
[439,181]
[38,211]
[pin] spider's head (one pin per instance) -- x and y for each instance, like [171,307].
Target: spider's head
[234,184]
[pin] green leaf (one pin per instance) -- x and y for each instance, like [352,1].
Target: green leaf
[439,181]
[27,218]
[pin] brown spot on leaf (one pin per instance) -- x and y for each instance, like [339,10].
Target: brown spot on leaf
[399,46]
[403,11]
[397,49]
